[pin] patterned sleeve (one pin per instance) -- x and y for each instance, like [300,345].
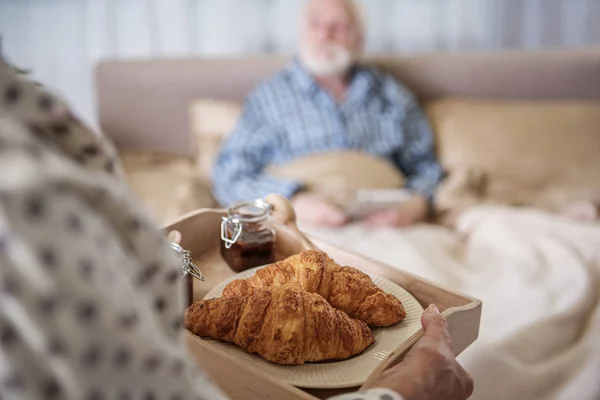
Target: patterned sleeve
[238,173]
[90,297]
[89,308]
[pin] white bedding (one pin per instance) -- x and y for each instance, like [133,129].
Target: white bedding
[538,275]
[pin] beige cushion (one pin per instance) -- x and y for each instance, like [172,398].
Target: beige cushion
[166,184]
[211,121]
[337,175]
[539,153]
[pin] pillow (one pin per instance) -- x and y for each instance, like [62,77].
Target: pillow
[539,153]
[337,175]
[211,122]
[165,184]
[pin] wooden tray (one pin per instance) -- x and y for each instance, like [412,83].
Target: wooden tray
[199,232]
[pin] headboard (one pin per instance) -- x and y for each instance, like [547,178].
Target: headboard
[143,104]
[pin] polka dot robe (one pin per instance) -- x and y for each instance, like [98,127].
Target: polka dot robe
[91,303]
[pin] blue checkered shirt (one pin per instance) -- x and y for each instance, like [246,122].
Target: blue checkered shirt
[290,116]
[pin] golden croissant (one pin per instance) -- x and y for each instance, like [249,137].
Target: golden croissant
[285,325]
[346,289]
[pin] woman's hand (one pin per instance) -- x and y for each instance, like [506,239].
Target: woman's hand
[429,371]
[317,211]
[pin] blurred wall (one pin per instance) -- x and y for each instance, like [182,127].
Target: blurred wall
[60,40]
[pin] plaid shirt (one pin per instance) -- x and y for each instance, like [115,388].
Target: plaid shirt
[291,116]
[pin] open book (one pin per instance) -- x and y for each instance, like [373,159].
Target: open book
[370,200]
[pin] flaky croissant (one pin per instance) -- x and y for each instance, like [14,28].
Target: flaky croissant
[345,288]
[285,325]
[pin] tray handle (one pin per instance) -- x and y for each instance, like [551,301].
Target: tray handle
[174,236]
[283,212]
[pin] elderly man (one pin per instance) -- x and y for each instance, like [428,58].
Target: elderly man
[324,101]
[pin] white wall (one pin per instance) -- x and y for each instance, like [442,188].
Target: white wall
[62,39]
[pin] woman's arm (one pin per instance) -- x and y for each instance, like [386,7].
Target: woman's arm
[90,299]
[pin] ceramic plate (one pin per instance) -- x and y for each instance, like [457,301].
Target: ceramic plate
[331,375]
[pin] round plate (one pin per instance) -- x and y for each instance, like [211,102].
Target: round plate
[331,375]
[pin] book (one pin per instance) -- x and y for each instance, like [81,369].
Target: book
[368,201]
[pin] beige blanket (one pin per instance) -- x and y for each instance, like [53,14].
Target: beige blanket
[538,275]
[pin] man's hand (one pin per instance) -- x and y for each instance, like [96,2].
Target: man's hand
[429,371]
[315,210]
[409,213]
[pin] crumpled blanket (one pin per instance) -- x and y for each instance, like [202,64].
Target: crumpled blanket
[538,275]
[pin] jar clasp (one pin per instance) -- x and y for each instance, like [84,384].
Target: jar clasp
[237,231]
[187,265]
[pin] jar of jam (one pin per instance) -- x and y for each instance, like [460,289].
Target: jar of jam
[247,235]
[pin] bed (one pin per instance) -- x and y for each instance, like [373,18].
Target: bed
[519,219]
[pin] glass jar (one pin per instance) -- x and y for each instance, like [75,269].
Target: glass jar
[247,235]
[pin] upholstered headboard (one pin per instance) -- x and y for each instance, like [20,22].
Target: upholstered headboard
[143,104]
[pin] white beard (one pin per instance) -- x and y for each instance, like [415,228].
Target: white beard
[336,61]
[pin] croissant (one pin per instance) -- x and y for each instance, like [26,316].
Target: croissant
[345,288]
[285,325]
